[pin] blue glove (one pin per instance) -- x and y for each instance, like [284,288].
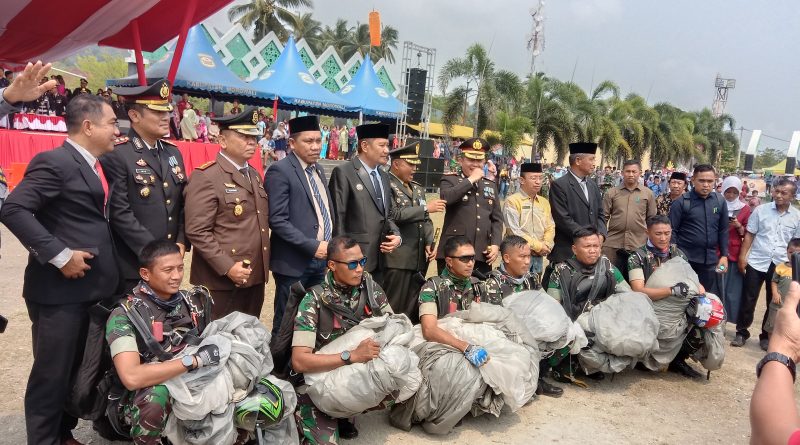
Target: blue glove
[476,355]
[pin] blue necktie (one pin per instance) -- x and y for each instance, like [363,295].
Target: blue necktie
[377,186]
[326,219]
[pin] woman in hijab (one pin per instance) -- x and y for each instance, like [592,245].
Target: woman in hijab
[738,214]
[189,123]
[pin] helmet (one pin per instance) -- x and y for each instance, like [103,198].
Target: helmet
[262,407]
[705,312]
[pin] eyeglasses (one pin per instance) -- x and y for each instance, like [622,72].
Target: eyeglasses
[465,258]
[351,265]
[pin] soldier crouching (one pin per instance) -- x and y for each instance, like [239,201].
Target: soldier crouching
[347,287]
[153,323]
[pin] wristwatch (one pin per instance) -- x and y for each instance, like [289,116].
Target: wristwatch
[777,357]
[188,362]
[345,356]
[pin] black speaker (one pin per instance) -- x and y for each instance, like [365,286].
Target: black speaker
[425,150]
[416,79]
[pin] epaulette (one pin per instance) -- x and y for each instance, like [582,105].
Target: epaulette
[121,140]
[415,182]
[168,142]
[206,165]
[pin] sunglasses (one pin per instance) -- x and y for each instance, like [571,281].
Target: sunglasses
[351,265]
[464,259]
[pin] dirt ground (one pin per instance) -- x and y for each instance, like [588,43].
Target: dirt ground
[633,408]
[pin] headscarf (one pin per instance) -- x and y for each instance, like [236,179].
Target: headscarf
[736,204]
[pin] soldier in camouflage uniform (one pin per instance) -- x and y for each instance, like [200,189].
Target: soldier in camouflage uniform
[453,290]
[608,180]
[347,289]
[677,185]
[513,276]
[142,411]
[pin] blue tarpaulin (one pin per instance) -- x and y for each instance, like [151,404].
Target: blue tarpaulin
[366,92]
[200,71]
[289,81]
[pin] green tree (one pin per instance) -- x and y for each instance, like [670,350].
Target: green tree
[550,118]
[267,15]
[512,128]
[337,37]
[303,26]
[714,135]
[97,71]
[389,39]
[768,157]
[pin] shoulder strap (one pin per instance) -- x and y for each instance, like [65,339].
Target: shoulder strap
[144,331]
[687,203]
[443,295]
[479,288]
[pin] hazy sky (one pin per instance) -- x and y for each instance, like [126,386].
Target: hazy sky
[664,50]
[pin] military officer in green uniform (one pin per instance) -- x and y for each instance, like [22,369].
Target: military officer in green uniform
[147,176]
[348,289]
[512,276]
[607,181]
[408,264]
[455,289]
[473,207]
[171,316]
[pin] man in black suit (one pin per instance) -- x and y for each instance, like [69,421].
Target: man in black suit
[362,199]
[60,214]
[576,203]
[148,177]
[300,214]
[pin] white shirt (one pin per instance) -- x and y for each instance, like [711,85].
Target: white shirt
[238,167]
[582,182]
[380,181]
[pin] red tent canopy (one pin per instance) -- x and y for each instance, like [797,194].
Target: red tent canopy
[45,30]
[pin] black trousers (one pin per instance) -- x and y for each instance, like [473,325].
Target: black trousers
[59,337]
[402,288]
[751,287]
[708,276]
[313,275]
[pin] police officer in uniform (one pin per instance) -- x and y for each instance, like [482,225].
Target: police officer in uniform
[147,175]
[473,207]
[408,264]
[227,221]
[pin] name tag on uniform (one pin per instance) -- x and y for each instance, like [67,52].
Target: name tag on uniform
[231,190]
[526,207]
[143,171]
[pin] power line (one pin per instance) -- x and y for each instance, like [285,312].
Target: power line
[766,135]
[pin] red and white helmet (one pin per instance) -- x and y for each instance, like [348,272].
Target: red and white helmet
[705,312]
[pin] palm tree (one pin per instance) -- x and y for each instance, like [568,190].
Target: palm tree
[357,42]
[337,37]
[389,39]
[512,128]
[266,16]
[673,140]
[303,26]
[714,134]
[550,118]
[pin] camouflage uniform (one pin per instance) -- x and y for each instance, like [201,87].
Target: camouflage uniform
[569,267]
[314,426]
[547,178]
[462,293]
[608,182]
[642,263]
[144,410]
[499,284]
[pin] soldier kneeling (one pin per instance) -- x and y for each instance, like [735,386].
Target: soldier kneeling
[328,310]
[151,325]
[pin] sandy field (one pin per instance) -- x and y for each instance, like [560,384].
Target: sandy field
[633,408]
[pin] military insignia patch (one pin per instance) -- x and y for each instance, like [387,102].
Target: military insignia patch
[141,162]
[206,165]
[477,145]
[238,210]
[255,117]
[138,143]
[145,192]
[164,91]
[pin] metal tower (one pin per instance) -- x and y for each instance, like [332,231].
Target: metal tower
[721,98]
[536,37]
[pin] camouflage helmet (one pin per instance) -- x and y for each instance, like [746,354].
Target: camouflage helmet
[262,407]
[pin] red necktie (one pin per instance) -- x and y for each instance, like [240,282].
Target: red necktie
[103,181]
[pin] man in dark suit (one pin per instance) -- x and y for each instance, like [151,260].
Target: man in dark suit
[407,265]
[300,214]
[576,203]
[148,176]
[473,207]
[362,200]
[60,214]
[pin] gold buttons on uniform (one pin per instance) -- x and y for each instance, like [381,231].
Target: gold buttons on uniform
[258,211]
[169,236]
[478,229]
[169,201]
[233,250]
[265,248]
[478,205]
[262,230]
[479,216]
[169,219]
[166,184]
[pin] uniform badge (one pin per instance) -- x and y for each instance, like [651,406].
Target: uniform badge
[490,202]
[229,185]
[138,143]
[359,187]
[172,161]
[238,210]
[164,91]
[140,162]
[465,198]
[152,178]
[145,192]
[139,177]
[180,176]
[176,169]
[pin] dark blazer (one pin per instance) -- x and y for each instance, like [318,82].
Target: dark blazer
[356,207]
[571,211]
[473,210]
[410,214]
[292,218]
[58,205]
[138,217]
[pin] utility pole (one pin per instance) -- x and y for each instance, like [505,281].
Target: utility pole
[739,152]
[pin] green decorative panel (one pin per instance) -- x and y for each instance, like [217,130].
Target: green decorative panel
[306,58]
[254,61]
[270,53]
[331,85]
[353,69]
[239,68]
[238,47]
[383,75]
[156,55]
[331,67]
[317,74]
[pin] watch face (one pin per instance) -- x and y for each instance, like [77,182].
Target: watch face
[187,361]
[345,356]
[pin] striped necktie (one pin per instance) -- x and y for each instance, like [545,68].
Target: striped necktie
[326,219]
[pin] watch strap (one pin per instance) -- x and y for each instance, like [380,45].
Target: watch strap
[776,357]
